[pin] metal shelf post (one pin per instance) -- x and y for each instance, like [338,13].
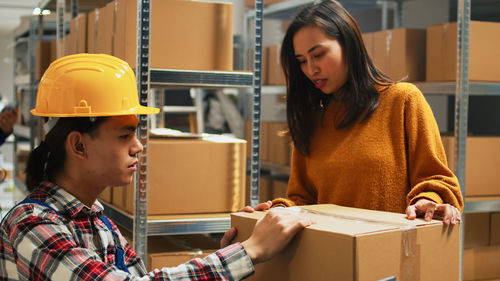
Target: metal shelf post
[257,83]
[462,103]
[141,183]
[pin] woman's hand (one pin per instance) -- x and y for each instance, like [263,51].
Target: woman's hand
[261,207]
[430,209]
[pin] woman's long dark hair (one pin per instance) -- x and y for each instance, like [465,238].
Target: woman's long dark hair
[46,161]
[358,94]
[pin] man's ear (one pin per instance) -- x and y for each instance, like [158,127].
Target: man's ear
[75,145]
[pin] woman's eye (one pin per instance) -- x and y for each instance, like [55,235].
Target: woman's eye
[302,61]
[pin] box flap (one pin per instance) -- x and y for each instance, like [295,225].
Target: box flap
[349,221]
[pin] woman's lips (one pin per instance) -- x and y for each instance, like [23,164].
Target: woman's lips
[320,83]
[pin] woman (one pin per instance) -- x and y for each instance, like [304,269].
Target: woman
[59,232]
[360,139]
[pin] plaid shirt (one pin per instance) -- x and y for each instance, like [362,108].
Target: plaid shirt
[38,244]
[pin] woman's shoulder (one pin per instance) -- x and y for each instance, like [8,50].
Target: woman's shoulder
[403,91]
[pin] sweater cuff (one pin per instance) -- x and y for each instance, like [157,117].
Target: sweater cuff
[282,202]
[433,196]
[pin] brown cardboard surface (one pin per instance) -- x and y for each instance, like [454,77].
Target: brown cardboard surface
[482,164]
[355,244]
[194,176]
[279,151]
[477,230]
[398,52]
[78,29]
[173,250]
[53,50]
[369,44]
[481,263]
[495,229]
[42,58]
[92,25]
[484,56]
[275,74]
[174,45]
[107,195]
[105,29]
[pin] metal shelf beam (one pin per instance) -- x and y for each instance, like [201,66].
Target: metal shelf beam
[449,88]
[481,206]
[200,78]
[176,225]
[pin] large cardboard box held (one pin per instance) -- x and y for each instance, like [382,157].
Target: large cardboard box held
[482,164]
[194,35]
[398,52]
[484,54]
[192,176]
[356,244]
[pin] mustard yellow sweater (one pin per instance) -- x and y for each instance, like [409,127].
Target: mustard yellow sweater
[386,163]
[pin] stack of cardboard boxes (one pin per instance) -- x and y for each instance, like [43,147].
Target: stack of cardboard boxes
[190,176]
[112,30]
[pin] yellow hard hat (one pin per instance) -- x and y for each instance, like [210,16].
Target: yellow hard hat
[86,85]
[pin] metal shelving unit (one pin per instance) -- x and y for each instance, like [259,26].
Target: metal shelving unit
[140,224]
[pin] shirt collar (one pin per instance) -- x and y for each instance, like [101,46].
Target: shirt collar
[67,203]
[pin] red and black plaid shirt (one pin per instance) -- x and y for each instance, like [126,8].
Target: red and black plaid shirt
[37,243]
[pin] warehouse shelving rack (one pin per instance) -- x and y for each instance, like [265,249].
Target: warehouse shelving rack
[140,224]
[29,32]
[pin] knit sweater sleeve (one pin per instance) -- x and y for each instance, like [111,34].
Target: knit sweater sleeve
[299,191]
[428,170]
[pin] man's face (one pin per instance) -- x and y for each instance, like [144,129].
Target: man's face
[112,151]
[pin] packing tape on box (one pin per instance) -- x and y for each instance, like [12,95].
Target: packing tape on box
[410,252]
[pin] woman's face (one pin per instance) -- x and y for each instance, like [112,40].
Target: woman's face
[321,58]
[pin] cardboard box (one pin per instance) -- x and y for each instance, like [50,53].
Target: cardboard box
[279,141]
[482,164]
[495,229]
[173,250]
[275,74]
[356,244]
[369,44]
[105,29]
[78,28]
[192,176]
[477,230]
[174,45]
[481,263]
[484,55]
[399,52]
[53,50]
[92,26]
[106,195]
[42,58]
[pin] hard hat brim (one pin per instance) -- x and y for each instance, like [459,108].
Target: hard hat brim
[139,110]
